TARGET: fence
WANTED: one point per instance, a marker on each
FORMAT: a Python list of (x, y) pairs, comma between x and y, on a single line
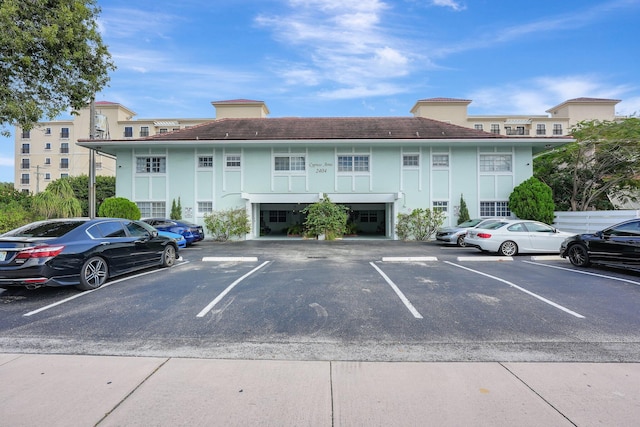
[(591, 221)]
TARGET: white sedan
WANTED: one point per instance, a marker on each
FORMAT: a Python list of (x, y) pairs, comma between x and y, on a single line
[(510, 237)]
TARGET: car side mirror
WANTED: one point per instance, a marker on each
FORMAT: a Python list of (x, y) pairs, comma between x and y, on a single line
[(154, 234)]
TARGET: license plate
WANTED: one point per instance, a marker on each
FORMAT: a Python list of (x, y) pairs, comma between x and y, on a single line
[(3, 255)]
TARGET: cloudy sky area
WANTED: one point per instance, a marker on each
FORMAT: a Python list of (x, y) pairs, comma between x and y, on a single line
[(320, 58)]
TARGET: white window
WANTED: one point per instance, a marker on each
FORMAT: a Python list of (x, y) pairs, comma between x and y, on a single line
[(47, 131), (440, 160), (151, 165), (205, 207), (495, 128), (47, 176), (557, 129), (289, 163), (47, 146), (540, 129), (478, 126), (47, 161), (233, 161), (152, 209), (495, 162), (441, 206), (205, 161), (411, 160), (497, 208), (144, 130), (128, 131), (354, 163)]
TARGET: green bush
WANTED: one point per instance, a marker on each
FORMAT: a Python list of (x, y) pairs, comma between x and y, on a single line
[(419, 225), (119, 207), (326, 218), (533, 200), (58, 201), (227, 223), (13, 215), (176, 209), (463, 213)]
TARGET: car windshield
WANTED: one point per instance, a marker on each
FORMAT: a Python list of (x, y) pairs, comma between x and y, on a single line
[(45, 229), (470, 223)]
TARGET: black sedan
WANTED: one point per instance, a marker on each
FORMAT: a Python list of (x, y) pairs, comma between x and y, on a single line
[(616, 246), (81, 252), (191, 232)]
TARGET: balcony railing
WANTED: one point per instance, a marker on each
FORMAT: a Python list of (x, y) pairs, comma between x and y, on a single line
[(521, 132)]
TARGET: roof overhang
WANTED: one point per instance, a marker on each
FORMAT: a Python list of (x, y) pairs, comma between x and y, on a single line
[(537, 144)]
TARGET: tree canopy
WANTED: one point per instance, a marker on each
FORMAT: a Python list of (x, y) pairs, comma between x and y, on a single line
[(52, 57), (604, 161)]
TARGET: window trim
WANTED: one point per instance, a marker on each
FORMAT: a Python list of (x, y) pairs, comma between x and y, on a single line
[(482, 166), (231, 158), (353, 161), (149, 167), (290, 156), (205, 164)]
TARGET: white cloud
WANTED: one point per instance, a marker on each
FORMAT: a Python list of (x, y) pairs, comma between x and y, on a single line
[(455, 5), (6, 161), (341, 42), (536, 95)]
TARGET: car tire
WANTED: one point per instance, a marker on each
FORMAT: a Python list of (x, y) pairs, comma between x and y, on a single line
[(168, 256), (508, 248), (461, 241), (578, 255), (94, 273)]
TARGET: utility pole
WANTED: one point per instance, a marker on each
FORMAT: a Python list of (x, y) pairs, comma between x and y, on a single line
[(92, 160)]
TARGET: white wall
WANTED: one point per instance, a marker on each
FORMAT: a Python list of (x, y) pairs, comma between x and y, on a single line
[(591, 221)]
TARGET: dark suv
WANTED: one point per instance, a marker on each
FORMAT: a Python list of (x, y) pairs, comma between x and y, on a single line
[(616, 246)]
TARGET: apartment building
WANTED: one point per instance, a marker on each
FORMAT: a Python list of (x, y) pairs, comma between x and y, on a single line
[(49, 150), (558, 122)]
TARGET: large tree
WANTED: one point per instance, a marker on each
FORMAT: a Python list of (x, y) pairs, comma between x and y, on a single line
[(52, 58), (604, 161)]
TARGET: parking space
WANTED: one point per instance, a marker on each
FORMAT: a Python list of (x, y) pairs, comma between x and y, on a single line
[(353, 295)]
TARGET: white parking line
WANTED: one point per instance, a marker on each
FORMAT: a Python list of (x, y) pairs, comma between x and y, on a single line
[(588, 273), (484, 258), (409, 258), (230, 259), (513, 285), (398, 292), (46, 307), (212, 304)]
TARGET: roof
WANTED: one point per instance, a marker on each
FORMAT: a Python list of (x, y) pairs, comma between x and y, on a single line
[(445, 100), (584, 100), (343, 128)]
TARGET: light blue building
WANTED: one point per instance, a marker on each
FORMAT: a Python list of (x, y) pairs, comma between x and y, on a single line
[(274, 167)]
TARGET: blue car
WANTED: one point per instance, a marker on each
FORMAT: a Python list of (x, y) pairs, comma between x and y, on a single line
[(179, 238), (191, 232)]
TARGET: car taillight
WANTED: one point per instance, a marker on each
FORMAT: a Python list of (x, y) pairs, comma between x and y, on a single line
[(40, 252), (484, 235)]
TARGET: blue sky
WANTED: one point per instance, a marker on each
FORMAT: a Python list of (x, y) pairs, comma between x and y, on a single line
[(321, 58)]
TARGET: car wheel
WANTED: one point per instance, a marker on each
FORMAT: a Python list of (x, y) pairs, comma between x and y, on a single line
[(168, 256), (94, 273), (461, 242), (508, 248), (578, 255)]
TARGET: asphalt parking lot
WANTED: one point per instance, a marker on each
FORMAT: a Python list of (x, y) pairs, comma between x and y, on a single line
[(365, 300)]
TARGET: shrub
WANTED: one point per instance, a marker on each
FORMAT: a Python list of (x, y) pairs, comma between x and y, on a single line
[(326, 218), (419, 225), (58, 201), (227, 223), (463, 213), (533, 200), (176, 209), (119, 207), (13, 215)]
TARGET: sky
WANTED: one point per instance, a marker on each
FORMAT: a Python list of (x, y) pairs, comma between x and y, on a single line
[(365, 58)]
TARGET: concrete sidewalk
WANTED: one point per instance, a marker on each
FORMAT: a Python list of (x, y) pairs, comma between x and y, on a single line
[(60, 390)]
